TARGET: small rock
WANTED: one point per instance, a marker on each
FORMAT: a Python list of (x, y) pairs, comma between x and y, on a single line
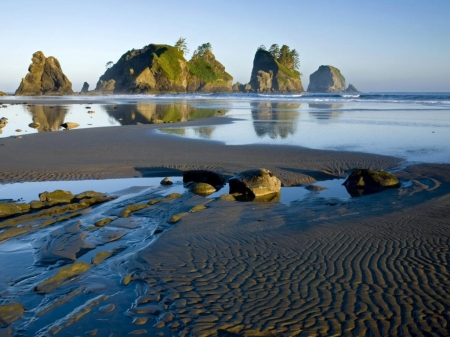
[(18, 130), (34, 125), (70, 125), (166, 181), (202, 188)]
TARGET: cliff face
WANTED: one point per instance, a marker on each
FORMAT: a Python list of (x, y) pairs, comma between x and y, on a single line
[(150, 69), (206, 74), (268, 75), (163, 68), (326, 79), (45, 77)]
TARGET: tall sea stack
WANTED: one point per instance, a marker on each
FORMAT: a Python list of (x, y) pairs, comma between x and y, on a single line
[(326, 79), (45, 77)]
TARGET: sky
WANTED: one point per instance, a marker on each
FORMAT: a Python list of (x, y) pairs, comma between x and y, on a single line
[(383, 45)]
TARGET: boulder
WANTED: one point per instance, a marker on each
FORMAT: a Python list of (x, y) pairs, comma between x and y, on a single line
[(206, 74), (166, 181), (351, 88), (269, 75), (70, 125), (85, 87), (45, 77), (255, 183), (204, 176), (202, 188), (57, 196), (365, 181), (326, 79)]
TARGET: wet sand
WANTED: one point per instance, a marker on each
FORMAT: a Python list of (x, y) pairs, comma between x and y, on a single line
[(375, 265)]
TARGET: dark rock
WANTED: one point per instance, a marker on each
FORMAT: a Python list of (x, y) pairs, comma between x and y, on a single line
[(238, 87), (326, 79), (85, 87), (268, 75), (204, 176), (365, 181), (202, 188), (45, 77), (166, 181), (351, 88), (255, 183)]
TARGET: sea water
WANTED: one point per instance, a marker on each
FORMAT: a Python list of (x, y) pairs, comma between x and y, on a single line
[(412, 126)]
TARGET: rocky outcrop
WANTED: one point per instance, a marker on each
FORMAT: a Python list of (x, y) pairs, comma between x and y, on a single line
[(163, 68), (45, 77), (238, 87), (326, 79), (3, 93), (365, 181), (85, 87), (255, 183), (269, 75), (154, 68), (351, 88), (206, 74)]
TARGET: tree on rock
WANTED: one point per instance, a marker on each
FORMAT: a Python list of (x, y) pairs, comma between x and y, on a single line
[(201, 50), (284, 55), (182, 45), (109, 64)]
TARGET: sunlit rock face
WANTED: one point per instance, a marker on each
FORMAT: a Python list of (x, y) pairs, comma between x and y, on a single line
[(268, 75), (326, 79), (45, 77)]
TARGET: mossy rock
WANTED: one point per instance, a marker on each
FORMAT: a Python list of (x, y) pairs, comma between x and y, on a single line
[(10, 312), (58, 196), (64, 275), (171, 196), (197, 208), (90, 194), (202, 188), (131, 208), (12, 208), (100, 257), (366, 181), (103, 222), (177, 217)]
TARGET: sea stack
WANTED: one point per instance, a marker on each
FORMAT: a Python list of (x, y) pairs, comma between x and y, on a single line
[(45, 77), (326, 79), (163, 68), (269, 75), (206, 74), (351, 88), (85, 87)]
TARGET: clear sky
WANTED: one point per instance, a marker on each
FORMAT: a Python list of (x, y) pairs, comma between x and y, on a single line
[(382, 45)]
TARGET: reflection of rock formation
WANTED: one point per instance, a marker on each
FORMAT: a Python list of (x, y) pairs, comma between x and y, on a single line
[(147, 113), (204, 131), (325, 111), (48, 118), (274, 119)]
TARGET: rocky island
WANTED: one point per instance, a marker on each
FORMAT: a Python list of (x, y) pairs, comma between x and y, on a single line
[(326, 79), (274, 70), (163, 68), (45, 77)]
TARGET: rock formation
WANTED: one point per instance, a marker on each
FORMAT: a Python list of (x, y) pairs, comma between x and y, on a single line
[(163, 68), (255, 183), (206, 74), (150, 69), (3, 93), (269, 75), (45, 77), (85, 87), (351, 88), (365, 181), (326, 79)]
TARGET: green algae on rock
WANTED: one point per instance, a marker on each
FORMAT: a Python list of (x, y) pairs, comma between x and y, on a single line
[(12, 208), (10, 312), (57, 196), (63, 276)]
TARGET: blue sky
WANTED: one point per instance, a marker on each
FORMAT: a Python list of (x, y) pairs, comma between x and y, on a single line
[(395, 45)]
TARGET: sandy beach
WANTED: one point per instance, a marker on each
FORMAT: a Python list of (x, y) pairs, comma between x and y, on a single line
[(370, 266)]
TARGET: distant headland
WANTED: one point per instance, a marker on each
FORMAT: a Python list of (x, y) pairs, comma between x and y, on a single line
[(160, 68)]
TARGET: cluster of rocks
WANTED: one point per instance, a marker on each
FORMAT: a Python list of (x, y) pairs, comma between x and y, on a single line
[(163, 68)]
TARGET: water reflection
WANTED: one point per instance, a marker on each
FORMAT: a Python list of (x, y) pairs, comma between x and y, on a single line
[(325, 111), (47, 118), (147, 113), (204, 131), (274, 119)]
